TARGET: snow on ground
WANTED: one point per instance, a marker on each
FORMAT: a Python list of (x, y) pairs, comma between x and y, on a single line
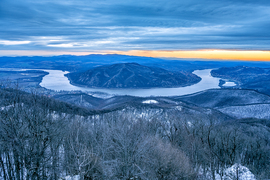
[(100, 95), (237, 170), (77, 177), (260, 111), (150, 102), (229, 84), (8, 107)]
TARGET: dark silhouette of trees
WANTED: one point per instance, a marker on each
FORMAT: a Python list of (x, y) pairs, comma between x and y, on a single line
[(41, 138)]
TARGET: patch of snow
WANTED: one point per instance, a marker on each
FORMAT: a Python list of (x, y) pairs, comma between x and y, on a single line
[(237, 170), (77, 177), (260, 111), (100, 95), (179, 108), (150, 102), (8, 107), (229, 84), (208, 111)]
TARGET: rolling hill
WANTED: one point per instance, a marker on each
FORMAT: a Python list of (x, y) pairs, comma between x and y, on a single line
[(131, 75)]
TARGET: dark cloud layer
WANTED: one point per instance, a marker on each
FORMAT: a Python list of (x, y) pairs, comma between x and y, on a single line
[(128, 24)]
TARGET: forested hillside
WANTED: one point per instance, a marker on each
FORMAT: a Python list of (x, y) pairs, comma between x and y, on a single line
[(43, 138), (132, 75), (246, 77)]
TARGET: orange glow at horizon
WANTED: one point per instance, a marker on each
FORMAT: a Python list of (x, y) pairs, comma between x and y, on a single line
[(248, 55)]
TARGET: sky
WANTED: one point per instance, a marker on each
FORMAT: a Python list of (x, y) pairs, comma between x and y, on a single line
[(169, 28)]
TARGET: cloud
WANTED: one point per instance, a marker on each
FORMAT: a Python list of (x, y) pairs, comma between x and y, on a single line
[(129, 24), (8, 43)]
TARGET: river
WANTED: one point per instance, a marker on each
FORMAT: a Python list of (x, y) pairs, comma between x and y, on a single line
[(56, 80)]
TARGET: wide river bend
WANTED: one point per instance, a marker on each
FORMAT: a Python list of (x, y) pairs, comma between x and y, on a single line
[(56, 80)]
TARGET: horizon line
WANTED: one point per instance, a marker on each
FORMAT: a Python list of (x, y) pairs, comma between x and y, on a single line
[(214, 54)]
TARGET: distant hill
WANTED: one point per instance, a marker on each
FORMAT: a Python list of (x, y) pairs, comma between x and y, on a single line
[(160, 108), (9, 97), (242, 74), (219, 98), (237, 103), (246, 77), (131, 75)]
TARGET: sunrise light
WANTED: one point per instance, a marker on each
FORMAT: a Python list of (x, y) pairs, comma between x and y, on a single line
[(248, 55)]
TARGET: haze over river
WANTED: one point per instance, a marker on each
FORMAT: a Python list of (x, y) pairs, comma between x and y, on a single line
[(56, 80)]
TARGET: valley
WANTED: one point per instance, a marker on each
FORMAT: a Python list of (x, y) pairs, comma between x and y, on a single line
[(239, 91), (193, 131), (134, 90)]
